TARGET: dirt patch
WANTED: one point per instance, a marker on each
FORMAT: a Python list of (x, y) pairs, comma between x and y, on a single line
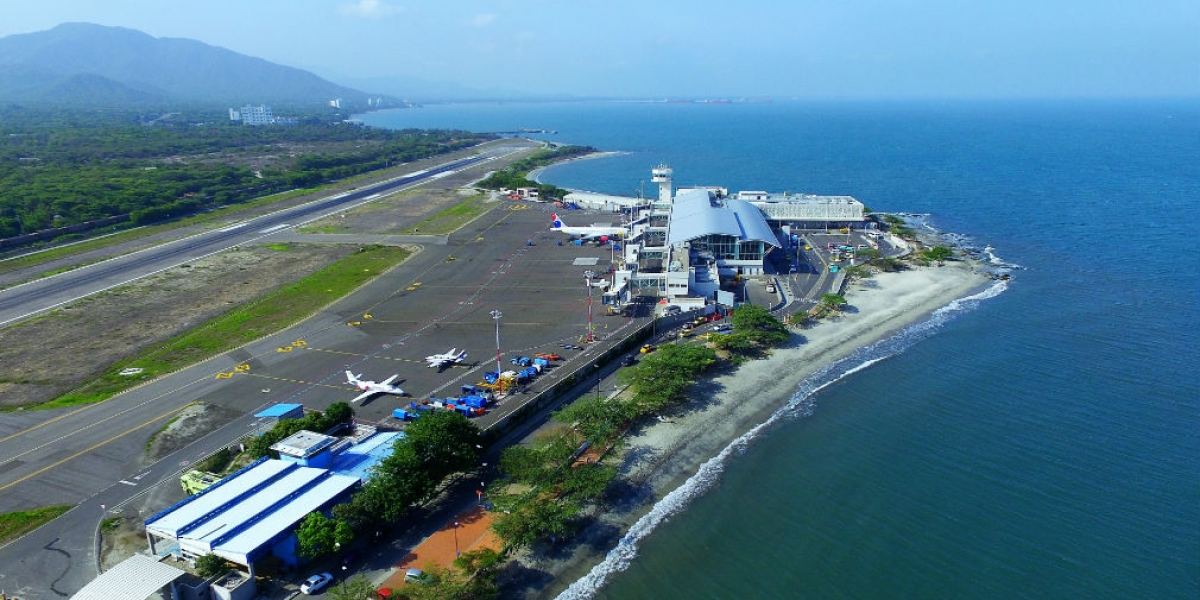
[(194, 422), (55, 353)]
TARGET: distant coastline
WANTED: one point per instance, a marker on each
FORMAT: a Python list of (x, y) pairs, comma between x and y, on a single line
[(536, 174)]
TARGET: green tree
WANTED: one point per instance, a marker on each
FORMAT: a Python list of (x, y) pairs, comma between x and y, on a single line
[(587, 481), (210, 565), (538, 518), (541, 465), (856, 272), (445, 441), (319, 535), (758, 327), (663, 378), (833, 301), (936, 254), (435, 446), (476, 562), (869, 254), (597, 419)]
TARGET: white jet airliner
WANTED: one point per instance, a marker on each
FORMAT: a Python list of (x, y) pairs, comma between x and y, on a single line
[(370, 388), (452, 357), (585, 233)]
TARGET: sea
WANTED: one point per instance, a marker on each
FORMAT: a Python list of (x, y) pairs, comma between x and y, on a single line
[(1040, 439)]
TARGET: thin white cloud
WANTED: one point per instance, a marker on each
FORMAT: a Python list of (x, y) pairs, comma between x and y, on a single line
[(370, 9), (483, 20)]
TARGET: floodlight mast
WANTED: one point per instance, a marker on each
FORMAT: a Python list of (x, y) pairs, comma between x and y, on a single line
[(591, 331), (500, 382)]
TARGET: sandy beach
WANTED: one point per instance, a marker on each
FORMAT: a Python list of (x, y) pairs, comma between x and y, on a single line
[(660, 456)]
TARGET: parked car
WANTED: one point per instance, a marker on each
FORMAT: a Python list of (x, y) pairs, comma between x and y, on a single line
[(673, 309), (315, 583), (628, 361), (415, 576)]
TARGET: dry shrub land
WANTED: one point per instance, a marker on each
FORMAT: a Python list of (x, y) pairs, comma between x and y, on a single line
[(55, 353)]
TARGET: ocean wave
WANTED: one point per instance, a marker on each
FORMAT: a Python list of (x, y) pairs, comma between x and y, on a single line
[(801, 404)]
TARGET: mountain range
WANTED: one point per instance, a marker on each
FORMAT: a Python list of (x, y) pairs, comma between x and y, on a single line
[(86, 64)]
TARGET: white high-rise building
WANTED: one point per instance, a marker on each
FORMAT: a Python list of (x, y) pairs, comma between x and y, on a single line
[(257, 115)]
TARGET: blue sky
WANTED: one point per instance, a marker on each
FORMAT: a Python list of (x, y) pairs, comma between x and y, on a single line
[(700, 48)]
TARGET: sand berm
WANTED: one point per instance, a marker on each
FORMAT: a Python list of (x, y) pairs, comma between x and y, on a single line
[(657, 458)]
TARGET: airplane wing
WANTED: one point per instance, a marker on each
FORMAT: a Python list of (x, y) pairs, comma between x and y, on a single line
[(389, 379), (363, 395)]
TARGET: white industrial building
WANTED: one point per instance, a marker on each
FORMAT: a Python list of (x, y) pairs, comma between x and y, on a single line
[(252, 514), (253, 115)]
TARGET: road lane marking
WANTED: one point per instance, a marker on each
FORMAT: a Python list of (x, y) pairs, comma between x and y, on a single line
[(92, 448)]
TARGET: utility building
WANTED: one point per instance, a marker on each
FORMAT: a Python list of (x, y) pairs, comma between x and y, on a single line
[(252, 514)]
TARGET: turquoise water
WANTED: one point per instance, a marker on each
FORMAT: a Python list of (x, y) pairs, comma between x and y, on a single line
[(1039, 443)]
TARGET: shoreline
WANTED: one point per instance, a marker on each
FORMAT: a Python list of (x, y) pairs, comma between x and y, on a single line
[(536, 174), (660, 457)]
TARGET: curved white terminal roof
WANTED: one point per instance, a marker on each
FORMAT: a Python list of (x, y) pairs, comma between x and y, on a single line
[(694, 215)]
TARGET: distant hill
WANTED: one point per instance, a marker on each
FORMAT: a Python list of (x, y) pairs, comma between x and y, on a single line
[(81, 63)]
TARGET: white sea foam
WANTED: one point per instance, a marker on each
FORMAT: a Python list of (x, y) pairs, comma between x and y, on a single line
[(801, 404)]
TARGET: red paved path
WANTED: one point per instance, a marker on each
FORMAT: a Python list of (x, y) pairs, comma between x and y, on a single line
[(473, 532)]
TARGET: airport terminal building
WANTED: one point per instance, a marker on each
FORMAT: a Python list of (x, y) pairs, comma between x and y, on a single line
[(681, 245)]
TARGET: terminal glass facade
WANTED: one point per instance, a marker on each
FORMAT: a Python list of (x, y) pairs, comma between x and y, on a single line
[(727, 247)]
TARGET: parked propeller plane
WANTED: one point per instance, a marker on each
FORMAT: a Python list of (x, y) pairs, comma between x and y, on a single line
[(370, 388), (446, 359)]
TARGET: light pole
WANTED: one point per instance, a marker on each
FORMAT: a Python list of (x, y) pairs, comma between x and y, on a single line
[(496, 317), (591, 337), (596, 366), (456, 552)]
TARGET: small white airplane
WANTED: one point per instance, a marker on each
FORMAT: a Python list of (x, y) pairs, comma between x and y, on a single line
[(453, 357), (585, 233), (370, 388)]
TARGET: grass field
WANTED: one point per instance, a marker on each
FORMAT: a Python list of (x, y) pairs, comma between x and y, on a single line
[(16, 524), (269, 314)]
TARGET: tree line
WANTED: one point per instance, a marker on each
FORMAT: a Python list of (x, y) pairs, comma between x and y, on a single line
[(61, 169), (516, 175)]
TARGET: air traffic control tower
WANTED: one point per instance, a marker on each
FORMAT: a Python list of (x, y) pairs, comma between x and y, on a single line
[(662, 176)]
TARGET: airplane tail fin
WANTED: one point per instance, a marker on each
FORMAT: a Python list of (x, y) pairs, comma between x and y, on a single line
[(350, 377), (555, 222)]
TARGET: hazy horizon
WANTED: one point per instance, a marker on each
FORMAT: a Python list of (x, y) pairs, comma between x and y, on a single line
[(868, 49)]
